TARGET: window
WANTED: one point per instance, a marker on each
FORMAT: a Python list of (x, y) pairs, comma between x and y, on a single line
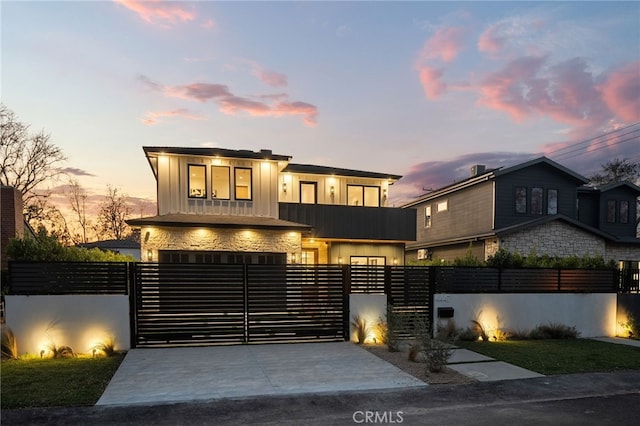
[(359, 195), (243, 183), (552, 201), (624, 211), (427, 217), (197, 181), (355, 197), (220, 187), (308, 192), (442, 206), (611, 211), (372, 196), (536, 200), (521, 199)]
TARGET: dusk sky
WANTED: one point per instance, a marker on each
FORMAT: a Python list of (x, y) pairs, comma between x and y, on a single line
[(419, 89)]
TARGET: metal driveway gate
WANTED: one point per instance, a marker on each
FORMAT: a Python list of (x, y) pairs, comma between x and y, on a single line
[(207, 304)]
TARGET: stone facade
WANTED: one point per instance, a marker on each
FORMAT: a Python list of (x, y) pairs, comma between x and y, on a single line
[(554, 239), (622, 252), (208, 239)]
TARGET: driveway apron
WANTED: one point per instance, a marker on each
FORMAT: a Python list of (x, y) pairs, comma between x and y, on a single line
[(155, 376)]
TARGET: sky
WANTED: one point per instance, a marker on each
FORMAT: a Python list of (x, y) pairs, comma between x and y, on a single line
[(419, 89)]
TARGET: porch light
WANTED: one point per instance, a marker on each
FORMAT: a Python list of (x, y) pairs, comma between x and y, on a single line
[(149, 255), (284, 187), (293, 258), (340, 260), (395, 260), (332, 190)]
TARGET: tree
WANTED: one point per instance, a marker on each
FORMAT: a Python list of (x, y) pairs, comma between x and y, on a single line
[(616, 170), (113, 213), (78, 199), (26, 162)]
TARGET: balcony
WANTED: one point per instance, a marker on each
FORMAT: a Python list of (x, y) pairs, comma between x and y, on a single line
[(350, 222)]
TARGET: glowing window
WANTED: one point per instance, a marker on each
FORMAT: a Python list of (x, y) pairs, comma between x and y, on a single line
[(197, 181), (220, 187), (243, 183)]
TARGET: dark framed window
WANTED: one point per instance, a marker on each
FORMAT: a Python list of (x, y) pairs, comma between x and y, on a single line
[(611, 211), (360, 195), (537, 197), (521, 200), (197, 181), (243, 183), (220, 182), (552, 201), (308, 192), (624, 211)]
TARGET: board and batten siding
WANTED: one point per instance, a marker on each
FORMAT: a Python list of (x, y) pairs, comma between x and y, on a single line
[(173, 182), (469, 211), (539, 176), (323, 187)]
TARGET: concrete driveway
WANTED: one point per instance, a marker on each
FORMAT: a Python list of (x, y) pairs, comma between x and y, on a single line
[(158, 376)]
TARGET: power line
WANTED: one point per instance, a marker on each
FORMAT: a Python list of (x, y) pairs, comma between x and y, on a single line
[(586, 141), (604, 144)]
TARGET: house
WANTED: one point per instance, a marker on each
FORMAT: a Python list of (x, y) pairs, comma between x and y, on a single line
[(537, 206), (236, 206), (13, 223)]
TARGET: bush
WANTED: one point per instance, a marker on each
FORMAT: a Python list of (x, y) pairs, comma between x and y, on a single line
[(393, 328), (469, 335), (9, 344), (361, 327), (554, 331), (45, 248)]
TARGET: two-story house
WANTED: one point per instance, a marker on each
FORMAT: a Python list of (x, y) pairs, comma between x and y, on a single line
[(236, 206), (537, 206)]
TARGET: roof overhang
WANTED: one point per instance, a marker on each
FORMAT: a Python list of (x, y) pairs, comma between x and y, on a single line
[(219, 221)]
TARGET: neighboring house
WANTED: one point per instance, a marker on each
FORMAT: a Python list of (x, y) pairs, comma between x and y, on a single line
[(537, 206), (124, 247), (235, 206)]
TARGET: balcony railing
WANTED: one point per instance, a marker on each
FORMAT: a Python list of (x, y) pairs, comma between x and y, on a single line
[(352, 222)]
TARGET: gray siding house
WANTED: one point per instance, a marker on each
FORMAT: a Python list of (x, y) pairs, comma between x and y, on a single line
[(537, 206)]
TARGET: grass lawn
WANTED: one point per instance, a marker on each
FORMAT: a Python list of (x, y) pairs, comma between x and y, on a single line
[(56, 382), (562, 356)]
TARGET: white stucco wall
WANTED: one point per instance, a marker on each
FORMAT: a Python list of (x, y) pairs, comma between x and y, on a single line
[(371, 307), (592, 314), (78, 321)]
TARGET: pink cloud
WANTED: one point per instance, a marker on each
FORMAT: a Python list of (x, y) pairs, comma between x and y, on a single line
[(491, 41), (566, 92), (445, 44), (271, 78), (431, 80), (621, 92), (153, 117), (198, 91), (159, 12), (270, 105)]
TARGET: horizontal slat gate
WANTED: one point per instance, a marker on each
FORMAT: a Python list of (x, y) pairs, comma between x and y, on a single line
[(294, 303), (203, 304), (189, 304), (410, 294)]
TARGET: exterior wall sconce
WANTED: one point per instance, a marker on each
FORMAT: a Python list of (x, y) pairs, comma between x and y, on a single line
[(293, 258), (149, 255), (395, 260), (340, 260), (384, 194), (284, 187), (332, 190)]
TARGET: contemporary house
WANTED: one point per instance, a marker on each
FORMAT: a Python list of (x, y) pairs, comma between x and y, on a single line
[(236, 206), (538, 205)]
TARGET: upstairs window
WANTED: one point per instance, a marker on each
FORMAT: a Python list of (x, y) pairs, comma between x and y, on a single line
[(536, 200), (360, 195), (521, 200), (552, 201), (427, 217), (442, 206), (308, 191), (624, 211), (243, 183), (197, 181), (611, 211), (220, 182)]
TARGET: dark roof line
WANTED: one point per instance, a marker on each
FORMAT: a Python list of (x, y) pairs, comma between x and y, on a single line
[(263, 154), (323, 170)]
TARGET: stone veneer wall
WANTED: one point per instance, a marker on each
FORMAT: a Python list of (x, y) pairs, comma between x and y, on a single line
[(219, 239), (554, 239), (622, 252)]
